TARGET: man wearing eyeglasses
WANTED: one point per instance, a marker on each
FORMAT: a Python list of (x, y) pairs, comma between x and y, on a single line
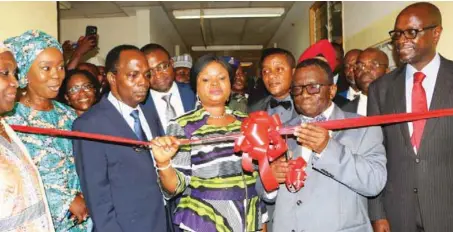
[(371, 64), (418, 195), (343, 167), (171, 98)]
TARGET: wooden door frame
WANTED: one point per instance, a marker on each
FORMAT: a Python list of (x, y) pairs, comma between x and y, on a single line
[(316, 5)]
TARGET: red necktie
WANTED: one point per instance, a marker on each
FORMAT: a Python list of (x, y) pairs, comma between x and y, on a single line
[(419, 104)]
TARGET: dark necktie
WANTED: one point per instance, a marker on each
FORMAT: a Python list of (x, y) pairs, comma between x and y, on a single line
[(419, 104), (138, 126), (285, 104)]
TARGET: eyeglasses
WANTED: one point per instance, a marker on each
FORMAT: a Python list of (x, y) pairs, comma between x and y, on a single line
[(409, 33), (163, 67), (311, 89), (371, 65), (76, 89)]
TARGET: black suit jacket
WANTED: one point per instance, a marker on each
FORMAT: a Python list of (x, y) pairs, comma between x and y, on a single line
[(119, 184), (419, 188), (351, 106)]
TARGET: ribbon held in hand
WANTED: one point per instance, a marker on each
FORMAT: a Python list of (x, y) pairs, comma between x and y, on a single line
[(261, 141), (295, 178)]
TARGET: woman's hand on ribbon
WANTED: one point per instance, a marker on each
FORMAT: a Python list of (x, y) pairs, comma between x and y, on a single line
[(164, 148), (312, 136)]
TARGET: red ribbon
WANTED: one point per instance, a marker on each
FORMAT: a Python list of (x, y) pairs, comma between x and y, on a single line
[(260, 138), (261, 141)]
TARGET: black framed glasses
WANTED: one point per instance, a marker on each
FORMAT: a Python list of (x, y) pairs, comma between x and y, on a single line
[(311, 89), (371, 65), (162, 67), (408, 33), (76, 89)]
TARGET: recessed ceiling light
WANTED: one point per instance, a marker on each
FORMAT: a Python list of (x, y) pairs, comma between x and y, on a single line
[(226, 48), (229, 13)]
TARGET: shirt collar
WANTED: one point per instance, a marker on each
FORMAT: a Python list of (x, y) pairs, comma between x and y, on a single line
[(352, 91), (172, 90), (432, 67), (327, 113), (122, 107)]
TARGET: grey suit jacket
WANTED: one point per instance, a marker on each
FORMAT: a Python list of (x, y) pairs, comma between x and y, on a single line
[(350, 168), (419, 189)]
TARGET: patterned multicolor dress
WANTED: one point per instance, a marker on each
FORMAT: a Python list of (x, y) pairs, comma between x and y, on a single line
[(23, 204), (53, 157), (211, 179)]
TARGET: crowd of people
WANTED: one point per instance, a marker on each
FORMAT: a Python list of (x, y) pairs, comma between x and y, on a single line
[(394, 177)]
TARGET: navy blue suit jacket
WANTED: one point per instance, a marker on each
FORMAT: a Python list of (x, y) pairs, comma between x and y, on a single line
[(188, 100), (119, 184)]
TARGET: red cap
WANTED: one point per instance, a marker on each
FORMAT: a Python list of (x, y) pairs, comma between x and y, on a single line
[(322, 48)]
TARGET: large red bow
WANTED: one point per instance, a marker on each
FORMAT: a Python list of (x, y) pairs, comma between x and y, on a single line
[(295, 178), (261, 141)]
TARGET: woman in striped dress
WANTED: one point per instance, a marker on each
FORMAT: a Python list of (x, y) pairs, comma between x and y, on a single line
[(214, 192)]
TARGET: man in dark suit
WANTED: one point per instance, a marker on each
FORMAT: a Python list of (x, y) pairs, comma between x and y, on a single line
[(119, 182), (371, 65), (418, 195), (171, 98)]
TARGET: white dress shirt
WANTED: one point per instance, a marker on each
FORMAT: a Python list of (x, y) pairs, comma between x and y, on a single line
[(161, 105), (352, 94), (126, 111), (361, 106), (430, 70)]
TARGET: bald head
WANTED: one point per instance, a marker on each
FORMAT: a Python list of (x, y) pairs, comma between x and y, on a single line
[(428, 11), (372, 64), (375, 54)]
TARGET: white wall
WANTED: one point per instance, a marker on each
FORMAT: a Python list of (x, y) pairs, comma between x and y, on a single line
[(163, 32), (294, 32), (18, 17), (112, 31), (359, 15), (150, 25)]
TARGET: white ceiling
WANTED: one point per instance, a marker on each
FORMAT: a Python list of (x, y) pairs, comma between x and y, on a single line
[(238, 31)]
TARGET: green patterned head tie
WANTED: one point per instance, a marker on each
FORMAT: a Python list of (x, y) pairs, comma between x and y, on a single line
[(26, 48)]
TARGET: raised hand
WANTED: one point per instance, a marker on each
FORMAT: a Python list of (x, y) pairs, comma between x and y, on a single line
[(86, 44), (313, 137), (164, 148)]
